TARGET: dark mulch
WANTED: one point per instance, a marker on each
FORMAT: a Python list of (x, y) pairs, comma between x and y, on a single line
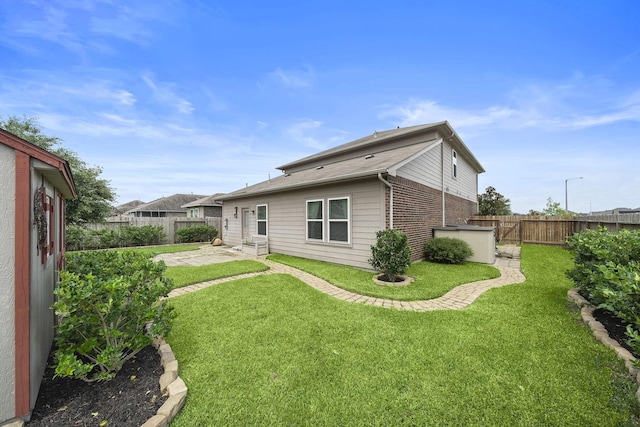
[(130, 399), (615, 326)]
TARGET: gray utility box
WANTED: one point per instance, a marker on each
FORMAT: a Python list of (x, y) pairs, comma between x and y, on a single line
[(481, 239)]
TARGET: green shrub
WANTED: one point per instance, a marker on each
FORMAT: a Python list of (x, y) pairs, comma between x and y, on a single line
[(391, 255), (109, 307), (79, 238), (447, 250), (595, 248), (141, 236), (75, 237), (196, 233), (607, 272)]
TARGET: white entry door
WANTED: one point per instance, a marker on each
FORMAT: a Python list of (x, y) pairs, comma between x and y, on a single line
[(246, 224)]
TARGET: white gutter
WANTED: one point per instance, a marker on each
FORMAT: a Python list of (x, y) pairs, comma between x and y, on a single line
[(388, 184)]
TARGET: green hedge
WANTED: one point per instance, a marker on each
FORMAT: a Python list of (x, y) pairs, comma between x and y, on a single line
[(607, 272), (80, 238), (196, 233)]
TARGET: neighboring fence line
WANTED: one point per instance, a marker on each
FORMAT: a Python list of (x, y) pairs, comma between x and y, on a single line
[(170, 224), (550, 230)]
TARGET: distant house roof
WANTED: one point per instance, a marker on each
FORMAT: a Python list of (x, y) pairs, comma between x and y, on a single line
[(382, 152), (120, 209), (167, 204), (205, 201)]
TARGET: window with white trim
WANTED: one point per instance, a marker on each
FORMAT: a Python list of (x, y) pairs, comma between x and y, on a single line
[(315, 220), (339, 220), (454, 163), (261, 219)]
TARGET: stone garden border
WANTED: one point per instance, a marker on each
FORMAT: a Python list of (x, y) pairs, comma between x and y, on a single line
[(171, 384), (407, 280), (601, 334)]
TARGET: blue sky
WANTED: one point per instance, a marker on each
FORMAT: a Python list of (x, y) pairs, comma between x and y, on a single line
[(205, 97)]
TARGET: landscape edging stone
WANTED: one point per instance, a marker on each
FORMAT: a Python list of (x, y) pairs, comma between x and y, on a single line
[(601, 334), (176, 388)]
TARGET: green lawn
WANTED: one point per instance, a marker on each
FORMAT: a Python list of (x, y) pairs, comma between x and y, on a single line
[(432, 280), (152, 251), (188, 275), (271, 350)]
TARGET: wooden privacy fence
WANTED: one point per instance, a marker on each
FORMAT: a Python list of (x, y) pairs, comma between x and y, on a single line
[(170, 224), (550, 230)]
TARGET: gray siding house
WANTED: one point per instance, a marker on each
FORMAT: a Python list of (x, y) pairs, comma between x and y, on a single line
[(328, 206), (163, 207), (204, 207)]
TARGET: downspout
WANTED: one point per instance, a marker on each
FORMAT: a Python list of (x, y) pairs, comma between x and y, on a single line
[(388, 184), (442, 177), (442, 181)]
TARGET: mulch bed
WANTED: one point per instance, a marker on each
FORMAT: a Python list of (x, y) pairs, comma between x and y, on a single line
[(616, 328), (130, 399)]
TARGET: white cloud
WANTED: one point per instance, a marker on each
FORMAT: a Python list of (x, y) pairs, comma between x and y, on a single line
[(164, 93), (52, 26), (85, 26), (291, 78), (576, 104), (313, 134)]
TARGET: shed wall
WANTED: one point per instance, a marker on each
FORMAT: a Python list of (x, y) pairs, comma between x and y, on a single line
[(7, 283), (481, 241), (43, 279)]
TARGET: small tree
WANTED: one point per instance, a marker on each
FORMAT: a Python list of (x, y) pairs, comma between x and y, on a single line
[(391, 255), (493, 203), (553, 209)]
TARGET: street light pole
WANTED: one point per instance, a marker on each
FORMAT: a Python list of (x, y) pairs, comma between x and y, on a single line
[(566, 193)]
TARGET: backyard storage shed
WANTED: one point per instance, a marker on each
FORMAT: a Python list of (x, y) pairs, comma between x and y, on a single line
[(328, 206), (33, 187), (482, 240)]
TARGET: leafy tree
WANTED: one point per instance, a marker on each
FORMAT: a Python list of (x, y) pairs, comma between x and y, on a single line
[(95, 194), (493, 203), (554, 209)]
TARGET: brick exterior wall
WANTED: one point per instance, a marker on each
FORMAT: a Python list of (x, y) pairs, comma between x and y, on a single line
[(418, 208)]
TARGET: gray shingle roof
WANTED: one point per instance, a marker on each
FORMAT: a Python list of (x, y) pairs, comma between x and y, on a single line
[(125, 207), (376, 138), (205, 201), (382, 152), (167, 204)]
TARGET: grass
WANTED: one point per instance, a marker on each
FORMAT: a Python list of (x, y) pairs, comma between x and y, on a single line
[(188, 275), (270, 350), (432, 279), (152, 251)]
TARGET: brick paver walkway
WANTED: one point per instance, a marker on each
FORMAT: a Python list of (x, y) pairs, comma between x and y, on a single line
[(457, 298)]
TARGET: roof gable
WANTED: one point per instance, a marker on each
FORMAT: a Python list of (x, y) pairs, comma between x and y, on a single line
[(382, 152), (55, 168)]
